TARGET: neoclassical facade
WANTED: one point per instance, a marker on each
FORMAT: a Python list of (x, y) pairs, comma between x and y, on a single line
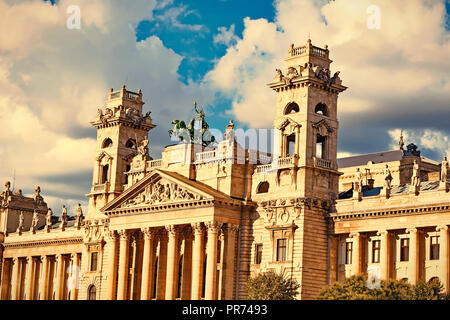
[(196, 223)]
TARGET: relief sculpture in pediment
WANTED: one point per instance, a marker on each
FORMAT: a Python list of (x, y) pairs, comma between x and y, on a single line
[(162, 192)]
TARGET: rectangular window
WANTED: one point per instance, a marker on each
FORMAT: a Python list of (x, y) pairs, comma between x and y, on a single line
[(404, 249), (258, 253), (376, 251), (94, 258), (434, 248), (281, 250), (348, 252)]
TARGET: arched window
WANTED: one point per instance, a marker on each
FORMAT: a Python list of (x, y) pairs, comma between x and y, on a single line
[(92, 293), (105, 173), (107, 143), (321, 109), (291, 108), (131, 143), (263, 187)]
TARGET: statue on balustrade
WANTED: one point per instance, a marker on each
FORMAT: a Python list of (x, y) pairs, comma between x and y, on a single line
[(387, 178), (444, 170)]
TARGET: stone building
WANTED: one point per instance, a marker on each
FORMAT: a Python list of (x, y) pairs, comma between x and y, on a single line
[(198, 222)]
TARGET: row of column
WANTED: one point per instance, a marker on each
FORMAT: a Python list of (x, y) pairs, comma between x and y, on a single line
[(168, 261), (31, 277), (413, 261)]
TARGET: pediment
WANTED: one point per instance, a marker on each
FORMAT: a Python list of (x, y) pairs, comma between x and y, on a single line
[(323, 127), (286, 122), (162, 187), (104, 154)]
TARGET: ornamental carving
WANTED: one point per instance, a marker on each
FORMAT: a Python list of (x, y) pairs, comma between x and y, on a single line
[(162, 192)]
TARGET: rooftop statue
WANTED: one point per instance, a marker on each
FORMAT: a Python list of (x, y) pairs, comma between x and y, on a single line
[(197, 131)]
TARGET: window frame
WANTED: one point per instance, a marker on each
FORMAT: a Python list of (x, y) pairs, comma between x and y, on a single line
[(376, 249), (434, 255)]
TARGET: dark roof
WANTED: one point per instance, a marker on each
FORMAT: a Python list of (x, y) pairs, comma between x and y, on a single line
[(398, 189), (378, 157)]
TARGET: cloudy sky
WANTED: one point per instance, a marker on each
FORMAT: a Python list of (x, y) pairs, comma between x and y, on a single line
[(221, 53)]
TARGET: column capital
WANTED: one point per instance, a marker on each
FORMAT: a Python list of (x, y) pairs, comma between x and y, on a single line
[(124, 235), (213, 226), (354, 234), (111, 235), (442, 228), (172, 230), (149, 233), (198, 227), (231, 228), (383, 233), (73, 256), (43, 258)]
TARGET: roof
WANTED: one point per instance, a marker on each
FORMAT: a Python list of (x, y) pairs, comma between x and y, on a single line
[(378, 157), (397, 189)]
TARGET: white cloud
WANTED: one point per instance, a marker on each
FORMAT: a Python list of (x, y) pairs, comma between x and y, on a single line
[(386, 70), (434, 140), (52, 80), (226, 36)]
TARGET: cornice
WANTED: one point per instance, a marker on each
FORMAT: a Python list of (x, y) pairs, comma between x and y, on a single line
[(356, 215)]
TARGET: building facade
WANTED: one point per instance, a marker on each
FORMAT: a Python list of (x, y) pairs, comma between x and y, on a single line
[(198, 222)]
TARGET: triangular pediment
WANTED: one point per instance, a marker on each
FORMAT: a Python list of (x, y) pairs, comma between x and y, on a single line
[(323, 127), (287, 121), (104, 154), (162, 187)]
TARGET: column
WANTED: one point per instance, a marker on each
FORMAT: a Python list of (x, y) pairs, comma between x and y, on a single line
[(43, 282), (15, 279), (147, 263), (356, 253), (162, 266), (297, 140), (197, 260), (172, 261), (187, 265), (384, 254), (75, 273), (112, 265), (59, 277), (123, 265), (333, 259), (211, 259), (29, 279), (230, 259), (443, 255), (413, 266)]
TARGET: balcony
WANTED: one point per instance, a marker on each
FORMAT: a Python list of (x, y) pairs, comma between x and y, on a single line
[(153, 164), (100, 188), (280, 163), (206, 156), (322, 163)]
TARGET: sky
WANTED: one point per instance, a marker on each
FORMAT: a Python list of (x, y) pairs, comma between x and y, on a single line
[(220, 53)]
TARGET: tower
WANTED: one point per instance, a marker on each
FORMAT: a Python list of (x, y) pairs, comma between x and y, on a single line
[(295, 192), (122, 133), (306, 122)]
